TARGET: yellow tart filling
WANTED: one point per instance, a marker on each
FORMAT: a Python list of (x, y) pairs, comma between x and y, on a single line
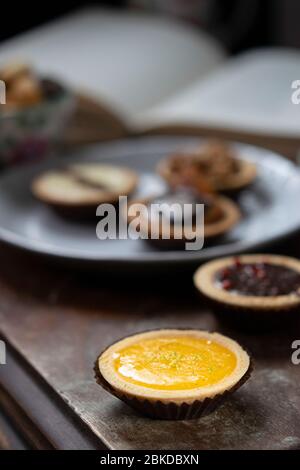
[(174, 363)]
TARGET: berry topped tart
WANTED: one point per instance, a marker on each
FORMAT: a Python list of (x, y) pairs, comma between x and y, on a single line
[(248, 284), (214, 162), (173, 374)]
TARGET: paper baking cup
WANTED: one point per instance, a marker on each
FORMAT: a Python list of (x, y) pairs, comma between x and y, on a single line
[(171, 411)]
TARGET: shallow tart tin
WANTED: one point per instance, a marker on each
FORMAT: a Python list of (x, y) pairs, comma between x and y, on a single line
[(244, 309), (172, 404)]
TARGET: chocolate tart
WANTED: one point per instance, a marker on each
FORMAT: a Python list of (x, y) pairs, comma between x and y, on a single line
[(173, 374), (255, 291), (215, 164), (80, 188), (220, 216)]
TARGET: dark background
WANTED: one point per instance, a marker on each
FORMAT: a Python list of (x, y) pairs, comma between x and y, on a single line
[(238, 24)]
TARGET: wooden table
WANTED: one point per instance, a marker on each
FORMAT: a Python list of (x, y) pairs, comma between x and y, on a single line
[(10, 438), (56, 320)]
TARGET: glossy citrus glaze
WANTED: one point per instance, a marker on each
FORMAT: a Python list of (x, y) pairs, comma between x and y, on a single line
[(174, 363)]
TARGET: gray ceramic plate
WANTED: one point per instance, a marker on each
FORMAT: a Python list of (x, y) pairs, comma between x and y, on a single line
[(270, 208)]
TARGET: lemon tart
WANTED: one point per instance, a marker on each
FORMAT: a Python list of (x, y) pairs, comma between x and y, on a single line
[(80, 188), (173, 374), (244, 286)]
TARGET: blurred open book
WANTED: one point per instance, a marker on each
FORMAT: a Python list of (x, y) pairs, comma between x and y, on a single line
[(139, 74)]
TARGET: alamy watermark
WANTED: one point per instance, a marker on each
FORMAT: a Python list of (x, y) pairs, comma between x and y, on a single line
[(2, 92), (2, 353), (157, 220), (295, 96), (295, 358)]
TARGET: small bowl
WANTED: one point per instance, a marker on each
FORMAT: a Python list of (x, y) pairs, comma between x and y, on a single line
[(28, 134)]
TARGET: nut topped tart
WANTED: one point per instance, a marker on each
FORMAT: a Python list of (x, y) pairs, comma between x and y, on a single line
[(80, 188), (215, 163), (173, 374), (252, 283)]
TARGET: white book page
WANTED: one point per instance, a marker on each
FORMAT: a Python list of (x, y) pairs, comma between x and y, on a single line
[(251, 93), (130, 61)]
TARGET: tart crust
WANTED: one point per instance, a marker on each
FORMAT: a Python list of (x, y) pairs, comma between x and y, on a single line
[(233, 183), (172, 404), (85, 190), (204, 280), (231, 215)]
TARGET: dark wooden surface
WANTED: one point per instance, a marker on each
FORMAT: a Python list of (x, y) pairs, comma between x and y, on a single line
[(10, 438), (56, 321), (37, 412)]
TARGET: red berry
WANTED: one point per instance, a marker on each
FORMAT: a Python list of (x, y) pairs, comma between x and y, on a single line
[(226, 284), (237, 262), (255, 269)]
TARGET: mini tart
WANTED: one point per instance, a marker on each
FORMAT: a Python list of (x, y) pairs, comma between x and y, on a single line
[(80, 188), (241, 174), (246, 308), (229, 216), (173, 374)]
